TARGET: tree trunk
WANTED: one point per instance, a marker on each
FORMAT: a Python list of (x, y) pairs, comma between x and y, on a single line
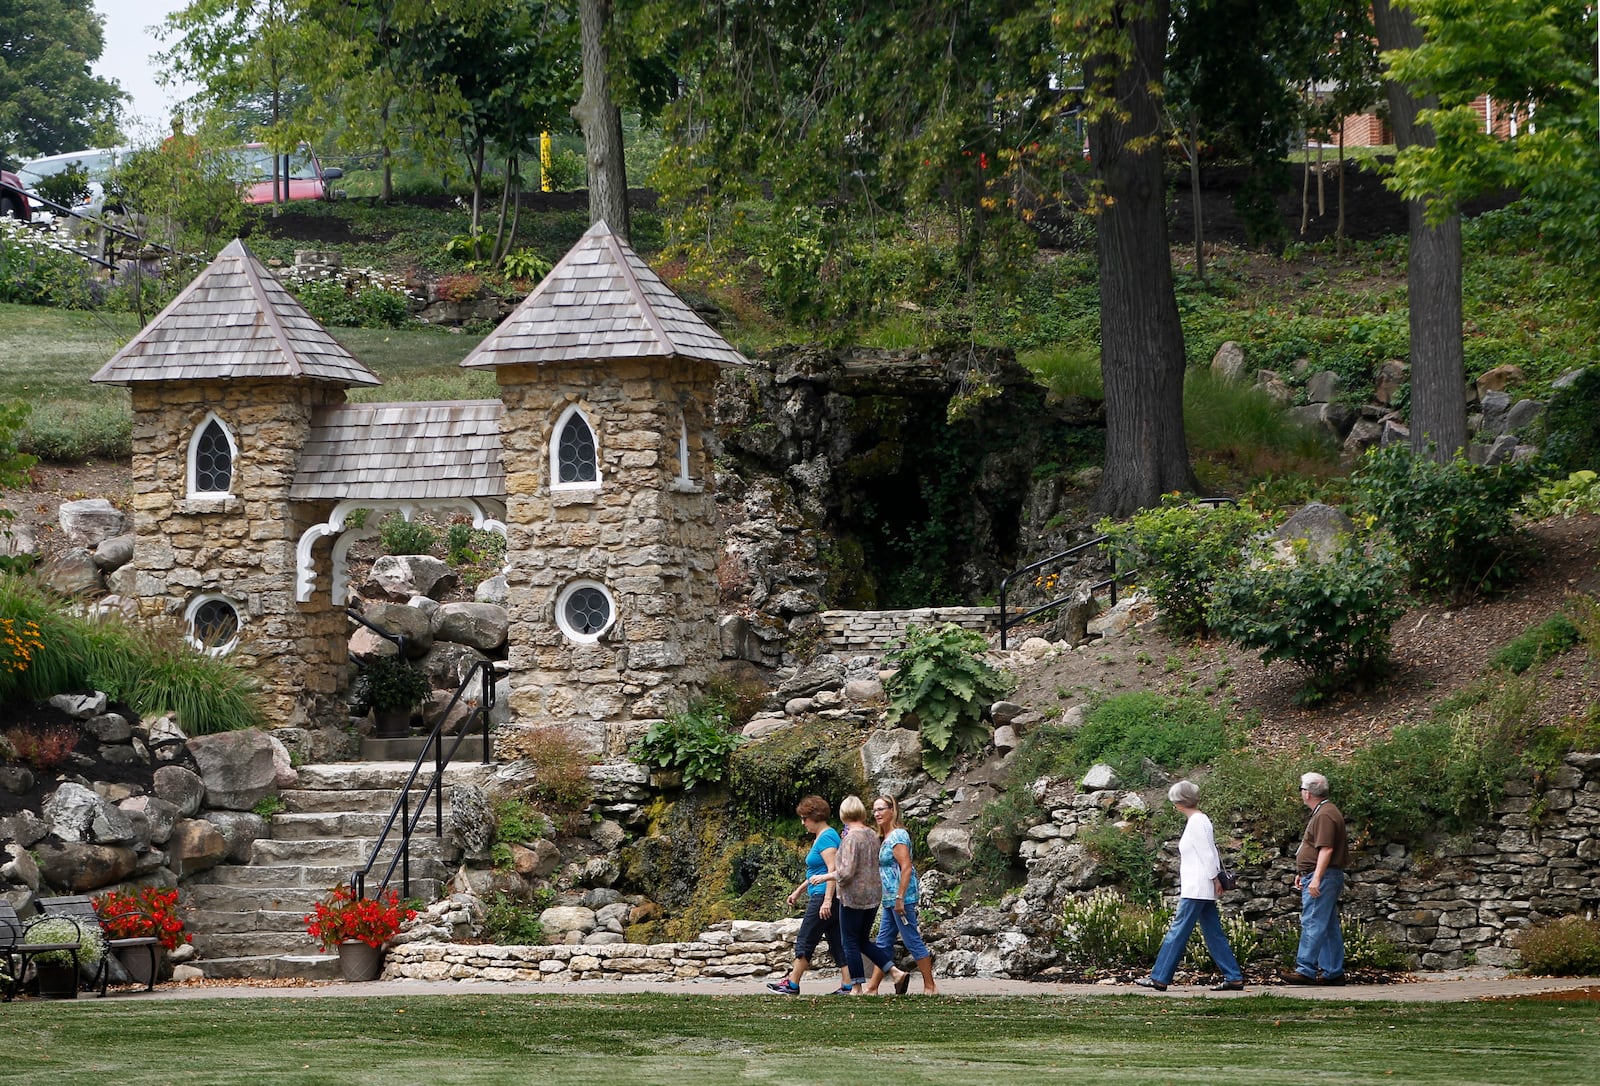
[(1433, 274), (1196, 201), (1141, 339), (601, 122)]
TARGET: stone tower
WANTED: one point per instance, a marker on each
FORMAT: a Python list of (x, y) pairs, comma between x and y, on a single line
[(224, 384), (608, 380)]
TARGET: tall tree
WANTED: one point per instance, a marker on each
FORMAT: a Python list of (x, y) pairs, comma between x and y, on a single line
[(597, 112), (1433, 270), (49, 100)]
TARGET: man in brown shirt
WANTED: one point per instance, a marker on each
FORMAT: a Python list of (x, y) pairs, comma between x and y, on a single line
[(1319, 864)]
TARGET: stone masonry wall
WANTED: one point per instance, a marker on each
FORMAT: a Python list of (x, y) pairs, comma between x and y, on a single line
[(867, 631), (646, 535), (241, 546)]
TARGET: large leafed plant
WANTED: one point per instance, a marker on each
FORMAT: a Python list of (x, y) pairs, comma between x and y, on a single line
[(943, 684)]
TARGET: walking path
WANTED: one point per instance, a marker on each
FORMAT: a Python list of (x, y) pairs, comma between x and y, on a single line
[(1455, 986)]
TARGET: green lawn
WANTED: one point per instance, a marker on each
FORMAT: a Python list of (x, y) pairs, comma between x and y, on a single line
[(674, 1038)]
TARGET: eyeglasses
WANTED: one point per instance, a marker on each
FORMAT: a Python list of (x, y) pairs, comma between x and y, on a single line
[(880, 810)]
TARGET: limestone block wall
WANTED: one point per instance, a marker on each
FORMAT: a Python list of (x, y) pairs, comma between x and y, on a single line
[(644, 533), (241, 546), (873, 631)]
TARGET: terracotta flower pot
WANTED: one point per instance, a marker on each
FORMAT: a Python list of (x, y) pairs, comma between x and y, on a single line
[(358, 961)]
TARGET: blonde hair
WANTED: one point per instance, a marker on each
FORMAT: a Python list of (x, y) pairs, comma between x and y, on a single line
[(853, 810), (894, 809)]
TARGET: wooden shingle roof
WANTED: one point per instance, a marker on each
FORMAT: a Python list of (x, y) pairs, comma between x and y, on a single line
[(235, 320), (449, 449), (601, 301)]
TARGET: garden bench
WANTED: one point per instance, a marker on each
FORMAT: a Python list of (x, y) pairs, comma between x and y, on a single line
[(16, 953), (81, 909)]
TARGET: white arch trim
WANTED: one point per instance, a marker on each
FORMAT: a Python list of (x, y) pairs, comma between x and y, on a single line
[(305, 579)]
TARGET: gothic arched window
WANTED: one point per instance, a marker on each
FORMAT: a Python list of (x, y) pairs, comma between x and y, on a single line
[(574, 453), (211, 459)]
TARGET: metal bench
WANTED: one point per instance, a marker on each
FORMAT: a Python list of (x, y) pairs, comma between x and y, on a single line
[(81, 909), (16, 953)]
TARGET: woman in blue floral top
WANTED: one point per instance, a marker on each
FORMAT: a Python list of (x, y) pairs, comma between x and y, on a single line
[(901, 890)]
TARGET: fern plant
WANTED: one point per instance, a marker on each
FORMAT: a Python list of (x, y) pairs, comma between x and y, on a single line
[(942, 682)]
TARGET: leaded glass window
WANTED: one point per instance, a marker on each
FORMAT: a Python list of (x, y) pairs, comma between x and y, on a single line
[(576, 460), (213, 460)]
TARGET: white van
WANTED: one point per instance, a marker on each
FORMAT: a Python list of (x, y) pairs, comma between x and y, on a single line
[(99, 163)]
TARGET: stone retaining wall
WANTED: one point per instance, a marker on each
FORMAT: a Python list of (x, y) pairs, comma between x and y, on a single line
[(733, 949), (868, 631)]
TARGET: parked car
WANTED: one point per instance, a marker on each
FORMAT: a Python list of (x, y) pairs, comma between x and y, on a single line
[(13, 199), (308, 179), (98, 163)]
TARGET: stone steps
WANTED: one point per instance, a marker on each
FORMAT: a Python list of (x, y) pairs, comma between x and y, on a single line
[(248, 919)]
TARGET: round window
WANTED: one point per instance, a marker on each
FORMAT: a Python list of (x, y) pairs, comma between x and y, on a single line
[(585, 611), (213, 623)]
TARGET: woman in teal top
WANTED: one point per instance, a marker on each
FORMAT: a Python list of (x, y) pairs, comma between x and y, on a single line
[(822, 919), (901, 890)]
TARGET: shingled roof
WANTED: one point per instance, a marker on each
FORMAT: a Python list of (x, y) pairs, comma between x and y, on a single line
[(235, 320), (411, 451), (602, 301)]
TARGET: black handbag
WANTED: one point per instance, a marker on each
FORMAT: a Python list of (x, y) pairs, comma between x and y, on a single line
[(1227, 879)]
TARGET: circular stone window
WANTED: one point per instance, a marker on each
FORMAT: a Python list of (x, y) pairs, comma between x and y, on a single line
[(213, 623), (585, 610)]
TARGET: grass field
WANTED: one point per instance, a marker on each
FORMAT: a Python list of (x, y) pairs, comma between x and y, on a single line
[(699, 1039)]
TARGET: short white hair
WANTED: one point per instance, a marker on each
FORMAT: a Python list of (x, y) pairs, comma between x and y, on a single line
[(1185, 793), (1315, 783)]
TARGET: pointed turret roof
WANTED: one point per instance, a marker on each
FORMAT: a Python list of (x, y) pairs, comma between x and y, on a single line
[(601, 301), (235, 320)]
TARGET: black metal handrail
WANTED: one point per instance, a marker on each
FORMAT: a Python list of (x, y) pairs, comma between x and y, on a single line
[(401, 814), (1007, 622)]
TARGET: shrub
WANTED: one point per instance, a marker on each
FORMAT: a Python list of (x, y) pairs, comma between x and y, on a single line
[(1577, 493), (1536, 644), (401, 536), (1126, 730), (1106, 932), (561, 766), (1330, 618), (37, 269), (338, 304), (1450, 523), (46, 748), (469, 546), (696, 743), (1567, 947), (389, 682), (1572, 425), (509, 921), (153, 669), (78, 430), (1180, 550), (1126, 858), (942, 681)]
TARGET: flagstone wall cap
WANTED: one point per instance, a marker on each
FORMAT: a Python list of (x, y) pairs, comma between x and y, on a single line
[(600, 302), (449, 449), (234, 321)]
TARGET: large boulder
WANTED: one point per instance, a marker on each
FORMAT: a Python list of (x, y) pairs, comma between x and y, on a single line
[(238, 768), (114, 553), (240, 830), (403, 620), (195, 845), (482, 626), (950, 846), (73, 573), (76, 813), (181, 787), (91, 521), (401, 576), (1229, 362), (471, 821), (891, 752), (447, 664), (158, 814), (1321, 528), (81, 867)]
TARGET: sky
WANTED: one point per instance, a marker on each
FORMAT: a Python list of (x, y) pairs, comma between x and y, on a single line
[(128, 59)]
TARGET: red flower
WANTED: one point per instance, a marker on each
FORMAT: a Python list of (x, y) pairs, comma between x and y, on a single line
[(343, 916), (147, 912)]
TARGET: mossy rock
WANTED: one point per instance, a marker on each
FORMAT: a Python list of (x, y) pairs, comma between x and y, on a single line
[(817, 757)]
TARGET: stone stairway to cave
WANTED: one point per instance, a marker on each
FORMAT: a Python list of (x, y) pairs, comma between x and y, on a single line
[(248, 919)]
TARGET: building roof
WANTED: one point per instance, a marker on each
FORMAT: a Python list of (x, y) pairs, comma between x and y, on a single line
[(233, 321), (601, 301), (406, 451)]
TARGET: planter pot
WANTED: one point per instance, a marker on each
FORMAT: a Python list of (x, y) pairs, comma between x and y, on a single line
[(391, 723), (358, 961), (57, 981), (136, 961)]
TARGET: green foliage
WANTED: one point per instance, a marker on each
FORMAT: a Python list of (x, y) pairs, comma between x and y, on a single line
[(334, 304), (401, 536), (516, 822), (67, 186), (815, 757), (1180, 551), (525, 264), (1572, 425), (560, 763), (1369, 951), (36, 270), (56, 663), (1106, 932), (1262, 788), (696, 743), (1451, 524), (269, 806), (153, 669), (1329, 617), (510, 921), (1536, 644), (1127, 858), (50, 99), (1579, 492), (469, 546), (1125, 730), (1245, 940), (942, 682), (390, 682), (1566, 947), (64, 929), (75, 430)]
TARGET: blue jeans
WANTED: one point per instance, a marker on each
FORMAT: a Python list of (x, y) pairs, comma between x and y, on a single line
[(855, 927), (1321, 939), (892, 924), (1194, 911)]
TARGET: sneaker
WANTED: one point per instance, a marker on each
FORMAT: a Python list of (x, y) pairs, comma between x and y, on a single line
[(1151, 982), (1229, 986), (843, 989), (783, 987), (1297, 977)]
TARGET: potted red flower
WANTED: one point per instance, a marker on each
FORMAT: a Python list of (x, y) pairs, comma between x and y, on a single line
[(359, 927), (139, 914)]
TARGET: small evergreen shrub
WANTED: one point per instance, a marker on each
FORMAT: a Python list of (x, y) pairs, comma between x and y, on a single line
[(1536, 644), (1180, 550), (1567, 947), (696, 743), (401, 536), (942, 682), (1451, 524), (1126, 858), (1330, 618)]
